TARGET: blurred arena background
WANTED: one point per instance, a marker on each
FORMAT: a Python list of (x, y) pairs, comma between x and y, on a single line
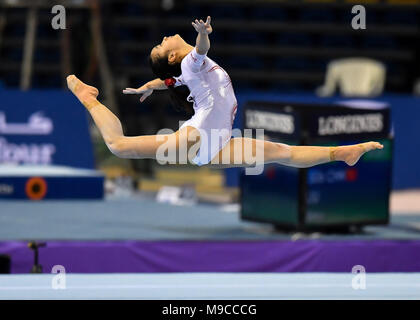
[(77, 205)]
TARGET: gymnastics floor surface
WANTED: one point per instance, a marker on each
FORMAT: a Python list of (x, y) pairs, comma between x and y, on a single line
[(220, 286)]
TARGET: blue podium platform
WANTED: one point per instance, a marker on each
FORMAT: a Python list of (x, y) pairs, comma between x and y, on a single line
[(34, 182)]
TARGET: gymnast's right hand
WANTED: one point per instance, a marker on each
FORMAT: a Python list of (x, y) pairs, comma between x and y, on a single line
[(145, 90)]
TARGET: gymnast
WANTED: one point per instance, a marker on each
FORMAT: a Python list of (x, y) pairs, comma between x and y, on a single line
[(198, 83)]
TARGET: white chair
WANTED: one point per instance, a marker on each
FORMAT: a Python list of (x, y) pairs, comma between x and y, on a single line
[(416, 88), (361, 77)]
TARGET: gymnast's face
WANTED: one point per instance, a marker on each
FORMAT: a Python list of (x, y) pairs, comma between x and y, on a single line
[(171, 47)]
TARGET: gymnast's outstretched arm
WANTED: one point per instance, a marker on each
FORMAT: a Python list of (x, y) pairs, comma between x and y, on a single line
[(147, 89), (202, 43)]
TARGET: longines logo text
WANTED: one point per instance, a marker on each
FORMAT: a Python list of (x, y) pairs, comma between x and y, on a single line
[(350, 124), (270, 121)]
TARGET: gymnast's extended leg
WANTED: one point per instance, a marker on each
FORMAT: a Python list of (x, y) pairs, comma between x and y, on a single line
[(139, 147), (248, 152)]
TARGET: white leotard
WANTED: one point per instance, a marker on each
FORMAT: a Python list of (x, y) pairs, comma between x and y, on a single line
[(214, 103)]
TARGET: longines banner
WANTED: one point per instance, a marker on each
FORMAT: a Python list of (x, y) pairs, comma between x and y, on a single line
[(44, 127), (326, 121), (278, 120), (333, 194)]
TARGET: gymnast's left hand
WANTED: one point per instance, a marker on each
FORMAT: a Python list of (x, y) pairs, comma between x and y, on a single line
[(203, 27), (144, 90)]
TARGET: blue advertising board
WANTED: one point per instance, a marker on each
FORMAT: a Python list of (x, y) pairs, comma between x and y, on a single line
[(331, 195), (44, 127), (405, 110)]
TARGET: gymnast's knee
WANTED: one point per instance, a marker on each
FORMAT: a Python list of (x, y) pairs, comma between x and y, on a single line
[(118, 148), (282, 153)]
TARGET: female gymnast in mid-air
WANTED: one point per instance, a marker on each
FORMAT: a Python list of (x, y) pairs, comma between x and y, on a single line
[(180, 67)]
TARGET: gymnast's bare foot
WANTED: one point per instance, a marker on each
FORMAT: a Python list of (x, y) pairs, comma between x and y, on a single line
[(86, 94), (351, 154)]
